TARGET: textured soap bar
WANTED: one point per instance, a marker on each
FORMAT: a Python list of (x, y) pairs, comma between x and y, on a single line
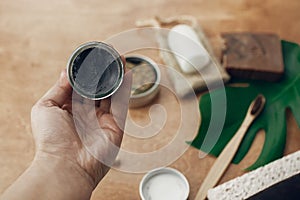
[(253, 56)]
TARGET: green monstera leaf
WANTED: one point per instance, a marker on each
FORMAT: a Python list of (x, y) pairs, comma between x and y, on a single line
[(280, 96)]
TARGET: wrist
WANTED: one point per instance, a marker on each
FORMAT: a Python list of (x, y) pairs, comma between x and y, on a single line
[(63, 175)]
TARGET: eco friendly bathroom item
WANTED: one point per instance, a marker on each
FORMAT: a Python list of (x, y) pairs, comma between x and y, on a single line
[(224, 159), (145, 80), (95, 70)]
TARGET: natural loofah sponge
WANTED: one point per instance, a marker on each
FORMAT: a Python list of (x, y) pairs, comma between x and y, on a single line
[(258, 180)]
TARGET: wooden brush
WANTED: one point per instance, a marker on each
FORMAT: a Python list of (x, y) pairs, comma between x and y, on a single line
[(230, 149)]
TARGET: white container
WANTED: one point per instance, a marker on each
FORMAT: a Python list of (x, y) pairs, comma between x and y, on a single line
[(164, 184), (187, 49)]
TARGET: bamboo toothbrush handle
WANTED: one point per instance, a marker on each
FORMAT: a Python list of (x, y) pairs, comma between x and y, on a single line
[(224, 159)]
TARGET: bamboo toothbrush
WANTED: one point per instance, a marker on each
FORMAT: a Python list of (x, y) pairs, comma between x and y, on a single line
[(230, 149)]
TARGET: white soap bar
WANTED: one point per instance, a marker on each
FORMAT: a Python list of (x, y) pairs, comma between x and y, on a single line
[(187, 48)]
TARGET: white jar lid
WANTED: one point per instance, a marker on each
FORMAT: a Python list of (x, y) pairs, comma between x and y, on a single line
[(164, 184)]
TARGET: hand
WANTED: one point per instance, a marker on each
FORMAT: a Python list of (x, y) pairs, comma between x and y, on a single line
[(79, 131)]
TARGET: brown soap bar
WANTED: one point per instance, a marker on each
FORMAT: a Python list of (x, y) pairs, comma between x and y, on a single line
[(253, 56)]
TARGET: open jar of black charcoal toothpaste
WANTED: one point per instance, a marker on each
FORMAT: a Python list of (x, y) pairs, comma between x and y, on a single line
[(95, 70)]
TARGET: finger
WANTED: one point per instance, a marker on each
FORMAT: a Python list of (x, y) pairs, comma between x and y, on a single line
[(124, 63), (97, 103), (123, 60), (70, 102), (105, 105), (87, 101), (67, 107), (120, 101), (59, 93), (89, 107), (76, 97)]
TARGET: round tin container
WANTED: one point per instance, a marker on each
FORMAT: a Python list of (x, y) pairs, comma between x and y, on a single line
[(164, 183), (145, 80), (95, 70)]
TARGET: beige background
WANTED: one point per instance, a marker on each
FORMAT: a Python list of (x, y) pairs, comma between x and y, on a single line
[(37, 37)]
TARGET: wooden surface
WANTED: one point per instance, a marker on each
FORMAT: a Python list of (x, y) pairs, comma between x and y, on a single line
[(37, 37)]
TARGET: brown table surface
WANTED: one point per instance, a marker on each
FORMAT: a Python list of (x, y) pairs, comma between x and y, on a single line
[(37, 37)]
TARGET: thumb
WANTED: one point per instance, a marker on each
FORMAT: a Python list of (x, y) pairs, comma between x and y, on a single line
[(59, 93)]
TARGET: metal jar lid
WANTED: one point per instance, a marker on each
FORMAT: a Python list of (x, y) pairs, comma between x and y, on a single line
[(95, 70)]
